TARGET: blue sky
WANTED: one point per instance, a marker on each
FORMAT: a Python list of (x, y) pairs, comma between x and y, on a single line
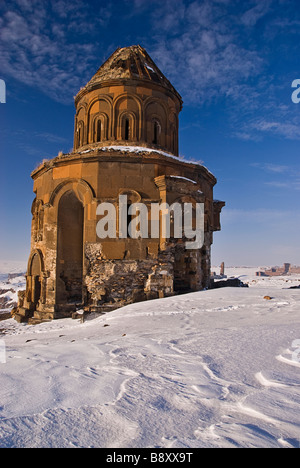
[(232, 61)]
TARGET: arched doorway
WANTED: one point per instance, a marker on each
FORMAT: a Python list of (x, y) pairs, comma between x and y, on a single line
[(33, 288), (69, 265)]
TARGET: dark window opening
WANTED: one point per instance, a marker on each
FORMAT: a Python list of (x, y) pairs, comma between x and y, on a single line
[(126, 129), (155, 133), (174, 141), (98, 132)]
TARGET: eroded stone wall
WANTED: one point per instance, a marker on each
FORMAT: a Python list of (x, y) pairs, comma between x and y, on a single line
[(113, 283)]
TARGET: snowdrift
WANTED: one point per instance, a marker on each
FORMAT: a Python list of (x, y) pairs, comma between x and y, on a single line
[(217, 368)]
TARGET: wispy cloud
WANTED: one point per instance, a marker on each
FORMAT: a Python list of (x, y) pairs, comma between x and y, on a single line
[(267, 218), (211, 50), (258, 11), (222, 51), (41, 45), (287, 177), (45, 136), (289, 130), (204, 54), (270, 116), (50, 137), (287, 185), (273, 168)]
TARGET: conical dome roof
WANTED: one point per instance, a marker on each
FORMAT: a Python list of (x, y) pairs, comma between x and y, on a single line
[(130, 63), (128, 101)]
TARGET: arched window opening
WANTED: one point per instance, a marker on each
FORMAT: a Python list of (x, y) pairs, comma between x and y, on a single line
[(156, 132), (98, 130), (174, 141), (80, 128), (127, 129)]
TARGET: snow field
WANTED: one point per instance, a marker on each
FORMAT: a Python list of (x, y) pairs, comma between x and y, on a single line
[(214, 369)]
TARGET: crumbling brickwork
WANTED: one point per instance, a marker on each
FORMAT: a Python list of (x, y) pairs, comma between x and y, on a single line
[(110, 283)]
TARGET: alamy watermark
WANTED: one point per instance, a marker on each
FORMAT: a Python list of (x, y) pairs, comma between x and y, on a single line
[(296, 353), (160, 221), (2, 352), (2, 92), (296, 93)]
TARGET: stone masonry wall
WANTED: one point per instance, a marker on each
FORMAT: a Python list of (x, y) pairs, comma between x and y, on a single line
[(114, 283)]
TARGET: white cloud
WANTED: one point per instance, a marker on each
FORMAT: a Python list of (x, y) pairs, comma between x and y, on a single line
[(254, 14), (36, 50), (288, 177), (213, 52), (204, 56), (289, 130), (208, 49), (50, 137), (287, 185), (274, 168)]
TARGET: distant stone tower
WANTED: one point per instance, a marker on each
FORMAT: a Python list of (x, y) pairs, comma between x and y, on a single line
[(125, 143)]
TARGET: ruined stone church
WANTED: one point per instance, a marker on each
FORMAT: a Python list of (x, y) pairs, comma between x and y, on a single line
[(125, 143)]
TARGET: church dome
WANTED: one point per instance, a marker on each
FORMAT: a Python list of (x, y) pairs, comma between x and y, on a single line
[(128, 102), (130, 63)]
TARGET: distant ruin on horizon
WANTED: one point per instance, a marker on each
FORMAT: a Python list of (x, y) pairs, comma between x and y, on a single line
[(286, 269)]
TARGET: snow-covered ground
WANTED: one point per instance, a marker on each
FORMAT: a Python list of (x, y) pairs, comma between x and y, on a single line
[(217, 368), (12, 280)]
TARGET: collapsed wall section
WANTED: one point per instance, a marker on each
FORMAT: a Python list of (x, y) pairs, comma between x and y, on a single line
[(111, 283)]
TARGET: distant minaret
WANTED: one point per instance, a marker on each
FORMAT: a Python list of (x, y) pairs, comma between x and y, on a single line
[(222, 269)]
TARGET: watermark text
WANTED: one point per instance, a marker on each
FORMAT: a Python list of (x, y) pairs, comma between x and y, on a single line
[(138, 221), (2, 352), (296, 93), (296, 353), (2, 92)]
